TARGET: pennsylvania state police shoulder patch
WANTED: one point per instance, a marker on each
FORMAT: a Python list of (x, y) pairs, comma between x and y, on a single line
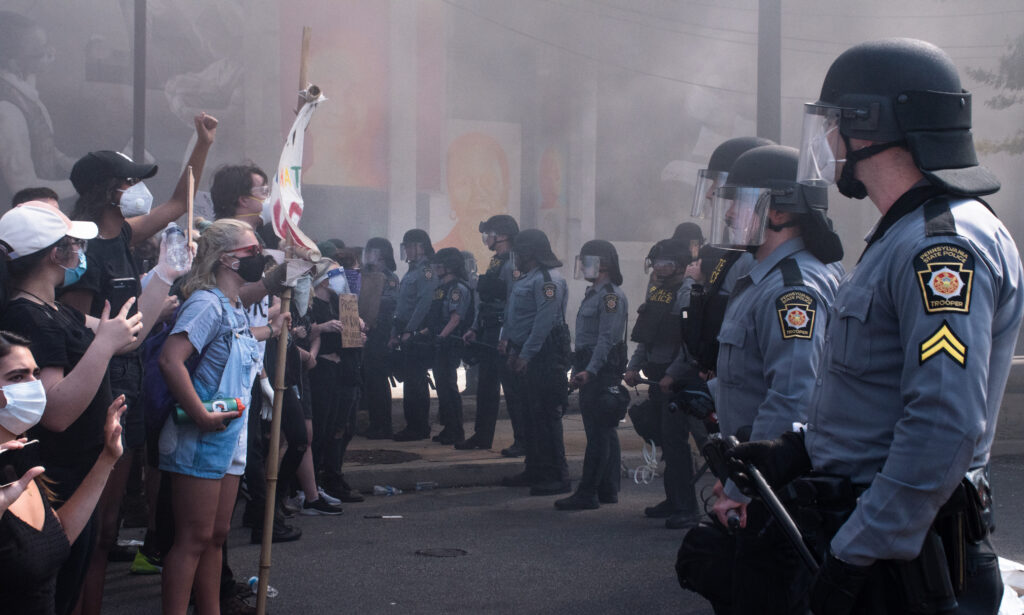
[(796, 314), (549, 290), (455, 295), (611, 303), (945, 272), (428, 273)]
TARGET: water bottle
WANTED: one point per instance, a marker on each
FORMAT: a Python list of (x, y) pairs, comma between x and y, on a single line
[(254, 586), (386, 490), (216, 405), (426, 485), (177, 251)]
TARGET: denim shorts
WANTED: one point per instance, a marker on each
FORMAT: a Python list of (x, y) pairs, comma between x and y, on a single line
[(185, 449)]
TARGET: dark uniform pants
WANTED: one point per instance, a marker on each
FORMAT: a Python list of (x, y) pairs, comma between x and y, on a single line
[(545, 391), (416, 395), (494, 376), (449, 400), (676, 428), (602, 459)]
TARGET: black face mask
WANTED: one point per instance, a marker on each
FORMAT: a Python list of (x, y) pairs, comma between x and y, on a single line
[(250, 268)]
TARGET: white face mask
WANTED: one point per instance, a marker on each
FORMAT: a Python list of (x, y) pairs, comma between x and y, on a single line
[(25, 404), (136, 201)]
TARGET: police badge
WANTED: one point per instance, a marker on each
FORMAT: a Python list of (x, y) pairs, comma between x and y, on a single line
[(945, 272), (549, 290), (796, 314), (611, 303)]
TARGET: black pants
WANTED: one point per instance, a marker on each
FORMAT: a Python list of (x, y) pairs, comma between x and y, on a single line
[(494, 376), (754, 570), (676, 428), (416, 395), (545, 391), (602, 458), (449, 400), (293, 428), (377, 389)]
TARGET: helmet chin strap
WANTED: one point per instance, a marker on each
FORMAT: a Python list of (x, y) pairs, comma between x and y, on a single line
[(849, 186), (779, 227)]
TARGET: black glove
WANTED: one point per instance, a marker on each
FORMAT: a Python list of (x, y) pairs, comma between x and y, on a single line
[(780, 460), (837, 586)]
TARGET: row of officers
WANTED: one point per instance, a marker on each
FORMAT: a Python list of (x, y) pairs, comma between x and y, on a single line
[(868, 399)]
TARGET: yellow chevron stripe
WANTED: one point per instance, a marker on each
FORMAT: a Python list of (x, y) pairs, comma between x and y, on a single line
[(944, 340)]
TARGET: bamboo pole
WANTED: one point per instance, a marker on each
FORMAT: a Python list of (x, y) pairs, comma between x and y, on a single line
[(190, 200)]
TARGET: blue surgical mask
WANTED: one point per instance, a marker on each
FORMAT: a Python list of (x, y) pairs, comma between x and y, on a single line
[(73, 275), (137, 200)]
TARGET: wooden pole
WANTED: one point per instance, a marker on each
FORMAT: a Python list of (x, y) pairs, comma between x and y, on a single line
[(275, 424), (190, 199), (272, 460)]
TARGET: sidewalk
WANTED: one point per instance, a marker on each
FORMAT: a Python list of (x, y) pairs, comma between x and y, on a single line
[(449, 467)]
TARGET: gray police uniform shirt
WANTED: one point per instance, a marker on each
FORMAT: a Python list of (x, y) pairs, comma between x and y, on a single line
[(458, 301), (415, 292), (601, 323), (770, 344), (661, 353), (534, 307), (916, 357)]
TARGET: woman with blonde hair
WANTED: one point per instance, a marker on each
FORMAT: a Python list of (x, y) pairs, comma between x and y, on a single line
[(205, 455)]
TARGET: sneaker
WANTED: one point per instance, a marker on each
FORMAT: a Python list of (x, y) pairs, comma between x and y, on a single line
[(333, 501), (320, 506), (144, 564), (293, 504)]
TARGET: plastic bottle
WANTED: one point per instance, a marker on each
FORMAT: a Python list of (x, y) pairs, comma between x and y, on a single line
[(386, 490), (177, 251), (426, 485), (254, 586), (216, 405)]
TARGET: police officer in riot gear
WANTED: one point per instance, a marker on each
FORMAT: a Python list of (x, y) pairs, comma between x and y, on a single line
[(450, 313), (415, 293), (598, 364), (769, 345), (379, 257), (493, 288), (717, 171), (536, 340), (919, 344), (663, 359)]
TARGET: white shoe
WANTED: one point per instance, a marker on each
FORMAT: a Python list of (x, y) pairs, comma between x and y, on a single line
[(330, 500)]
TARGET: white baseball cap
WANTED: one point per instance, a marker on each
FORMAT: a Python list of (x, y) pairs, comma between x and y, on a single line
[(36, 225)]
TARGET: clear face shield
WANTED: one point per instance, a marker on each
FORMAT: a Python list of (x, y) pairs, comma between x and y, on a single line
[(471, 270), (587, 267), (372, 258), (410, 252), (739, 217), (704, 193), (819, 144)]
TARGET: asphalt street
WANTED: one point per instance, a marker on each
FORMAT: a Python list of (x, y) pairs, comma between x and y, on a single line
[(520, 556)]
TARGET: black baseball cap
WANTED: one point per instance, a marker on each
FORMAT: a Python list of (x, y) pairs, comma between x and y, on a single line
[(97, 167)]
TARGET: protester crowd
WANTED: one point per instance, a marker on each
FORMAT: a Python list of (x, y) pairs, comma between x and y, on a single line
[(122, 345)]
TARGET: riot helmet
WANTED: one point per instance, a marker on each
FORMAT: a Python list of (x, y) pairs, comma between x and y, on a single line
[(765, 178), (418, 237), (533, 244), (501, 224), (897, 92), (595, 256), (668, 257), (718, 169), (449, 261), (379, 254), (692, 234)]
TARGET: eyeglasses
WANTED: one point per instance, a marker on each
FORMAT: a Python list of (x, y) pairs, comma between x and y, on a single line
[(71, 242), (260, 192), (253, 250)]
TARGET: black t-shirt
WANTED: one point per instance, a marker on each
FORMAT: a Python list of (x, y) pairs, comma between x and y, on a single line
[(60, 339), (111, 273), (321, 311), (29, 562)]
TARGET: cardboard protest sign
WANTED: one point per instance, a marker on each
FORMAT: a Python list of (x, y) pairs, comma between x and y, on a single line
[(348, 314)]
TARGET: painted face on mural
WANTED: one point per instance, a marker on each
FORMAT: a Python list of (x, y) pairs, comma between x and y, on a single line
[(477, 177)]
